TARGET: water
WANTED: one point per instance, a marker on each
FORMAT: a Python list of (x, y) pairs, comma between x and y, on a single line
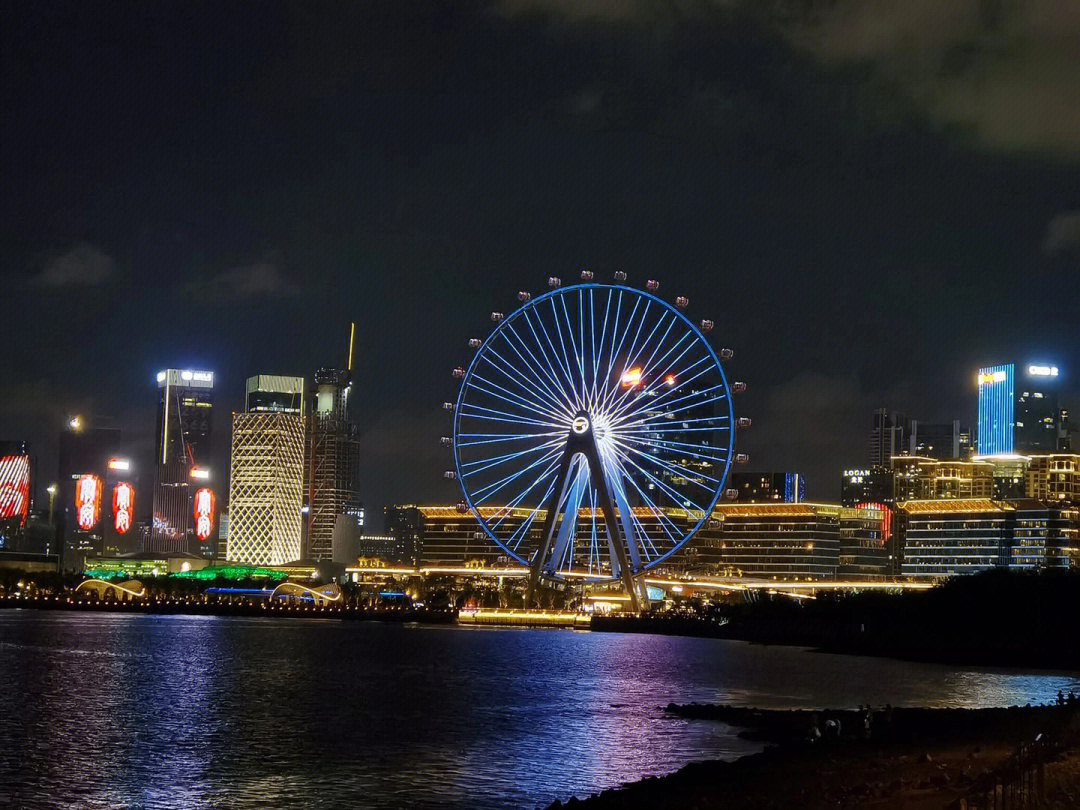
[(140, 711)]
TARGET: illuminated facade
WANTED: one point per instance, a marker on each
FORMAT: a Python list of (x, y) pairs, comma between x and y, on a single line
[(768, 487), (919, 478), (185, 408), (1019, 410), (792, 541), (267, 474), (867, 485), (85, 449), (966, 536), (15, 487), (332, 464), (1054, 478)]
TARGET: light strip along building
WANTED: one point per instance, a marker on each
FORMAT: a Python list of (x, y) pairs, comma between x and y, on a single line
[(267, 473)]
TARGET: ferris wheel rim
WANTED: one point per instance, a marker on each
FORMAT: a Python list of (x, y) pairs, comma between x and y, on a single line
[(533, 302)]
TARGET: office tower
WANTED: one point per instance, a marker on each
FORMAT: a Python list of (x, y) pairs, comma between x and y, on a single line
[(266, 474), (783, 487), (85, 452), (182, 459), (16, 486), (865, 486), (886, 437), (1040, 423), (938, 440), (333, 462), (406, 525), (1019, 412)]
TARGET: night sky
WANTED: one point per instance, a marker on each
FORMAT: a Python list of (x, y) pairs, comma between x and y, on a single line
[(869, 198)]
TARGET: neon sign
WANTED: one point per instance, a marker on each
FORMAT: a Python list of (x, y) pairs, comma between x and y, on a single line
[(15, 488), (123, 506), (87, 501), (204, 513)]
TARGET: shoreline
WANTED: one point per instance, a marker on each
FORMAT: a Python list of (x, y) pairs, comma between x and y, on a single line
[(906, 759)]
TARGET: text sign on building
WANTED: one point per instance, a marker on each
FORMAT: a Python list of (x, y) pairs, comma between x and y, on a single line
[(1043, 371), (204, 513), (87, 501), (123, 507)]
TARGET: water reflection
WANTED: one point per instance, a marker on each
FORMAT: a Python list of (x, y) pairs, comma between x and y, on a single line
[(161, 712)]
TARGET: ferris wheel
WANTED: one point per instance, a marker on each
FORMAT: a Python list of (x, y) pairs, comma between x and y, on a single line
[(593, 431)]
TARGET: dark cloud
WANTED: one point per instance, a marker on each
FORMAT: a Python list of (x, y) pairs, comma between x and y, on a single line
[(1062, 234), (264, 279), (83, 265)]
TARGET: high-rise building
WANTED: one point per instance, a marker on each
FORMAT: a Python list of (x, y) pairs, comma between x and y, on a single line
[(887, 434), (405, 525), (333, 462), (1054, 478), (783, 487), (869, 485), (16, 491), (266, 475), (182, 461), (946, 440), (85, 452), (1020, 412)]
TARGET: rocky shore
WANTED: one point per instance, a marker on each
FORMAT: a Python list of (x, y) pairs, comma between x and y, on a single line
[(893, 759)]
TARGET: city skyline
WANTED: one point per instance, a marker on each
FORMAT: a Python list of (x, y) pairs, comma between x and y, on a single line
[(425, 200)]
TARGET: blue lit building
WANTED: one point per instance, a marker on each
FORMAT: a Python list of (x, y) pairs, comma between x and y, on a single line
[(997, 410)]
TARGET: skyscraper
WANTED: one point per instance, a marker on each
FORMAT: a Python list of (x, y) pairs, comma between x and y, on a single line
[(332, 463), (266, 476), (886, 437), (182, 458), (1019, 412), (938, 440), (85, 451)]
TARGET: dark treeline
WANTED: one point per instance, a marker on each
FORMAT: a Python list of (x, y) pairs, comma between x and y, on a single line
[(992, 619)]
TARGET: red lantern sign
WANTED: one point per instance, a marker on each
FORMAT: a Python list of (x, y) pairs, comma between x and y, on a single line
[(123, 506), (204, 513), (87, 501)]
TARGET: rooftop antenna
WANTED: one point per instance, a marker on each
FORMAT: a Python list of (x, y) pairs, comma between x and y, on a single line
[(352, 340)]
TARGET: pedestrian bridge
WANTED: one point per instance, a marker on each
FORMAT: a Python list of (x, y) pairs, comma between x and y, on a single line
[(121, 591), (323, 595)]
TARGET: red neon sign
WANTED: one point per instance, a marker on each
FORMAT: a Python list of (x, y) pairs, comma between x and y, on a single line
[(123, 506), (204, 513), (15, 488), (87, 501)]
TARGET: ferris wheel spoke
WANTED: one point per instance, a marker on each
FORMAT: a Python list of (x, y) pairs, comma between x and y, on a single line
[(691, 475), (614, 407), (495, 461), (517, 401), (496, 486), (556, 390), (625, 417), (677, 447), (633, 353), (577, 382), (613, 353), (502, 438), (647, 399), (677, 497), (660, 378), (661, 423), (495, 415), (598, 357), (516, 501), (564, 367), (527, 385), (651, 506)]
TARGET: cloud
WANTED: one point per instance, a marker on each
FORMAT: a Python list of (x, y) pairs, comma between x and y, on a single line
[(263, 279), (1062, 234), (82, 266)]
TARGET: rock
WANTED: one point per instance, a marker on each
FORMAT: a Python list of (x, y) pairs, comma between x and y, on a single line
[(926, 758)]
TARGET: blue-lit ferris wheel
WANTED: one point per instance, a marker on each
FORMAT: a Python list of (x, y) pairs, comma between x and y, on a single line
[(593, 431)]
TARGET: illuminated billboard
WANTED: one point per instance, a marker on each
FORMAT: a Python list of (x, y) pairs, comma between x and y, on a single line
[(87, 501), (997, 403), (15, 488), (204, 513), (123, 507)]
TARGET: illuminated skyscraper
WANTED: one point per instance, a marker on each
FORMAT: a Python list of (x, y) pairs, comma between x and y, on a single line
[(1019, 413), (333, 462), (182, 457), (266, 475), (85, 450), (886, 437)]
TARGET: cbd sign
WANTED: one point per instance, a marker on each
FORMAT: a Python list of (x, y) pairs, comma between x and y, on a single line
[(123, 506), (204, 513), (87, 501)]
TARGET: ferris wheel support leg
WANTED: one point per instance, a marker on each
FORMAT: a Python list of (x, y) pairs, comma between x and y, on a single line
[(558, 496)]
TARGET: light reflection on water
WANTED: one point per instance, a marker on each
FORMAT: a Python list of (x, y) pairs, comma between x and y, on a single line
[(105, 710)]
